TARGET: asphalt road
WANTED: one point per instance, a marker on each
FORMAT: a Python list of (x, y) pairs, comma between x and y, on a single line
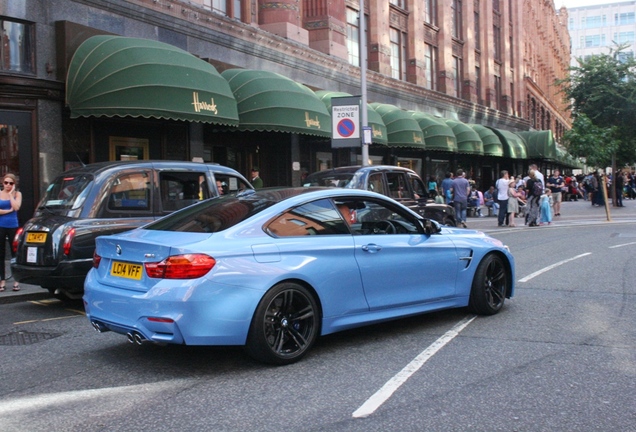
[(560, 356)]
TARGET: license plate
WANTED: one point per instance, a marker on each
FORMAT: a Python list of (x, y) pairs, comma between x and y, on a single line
[(126, 270), (36, 237)]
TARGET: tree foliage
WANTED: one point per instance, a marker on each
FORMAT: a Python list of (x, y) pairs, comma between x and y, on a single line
[(602, 95)]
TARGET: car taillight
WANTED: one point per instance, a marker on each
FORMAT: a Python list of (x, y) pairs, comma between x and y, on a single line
[(187, 266), (68, 239), (16, 239), (96, 259)]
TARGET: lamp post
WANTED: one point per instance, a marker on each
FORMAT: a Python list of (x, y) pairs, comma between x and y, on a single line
[(363, 83)]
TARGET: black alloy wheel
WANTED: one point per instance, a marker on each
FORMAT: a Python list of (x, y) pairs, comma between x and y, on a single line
[(285, 325), (490, 286)]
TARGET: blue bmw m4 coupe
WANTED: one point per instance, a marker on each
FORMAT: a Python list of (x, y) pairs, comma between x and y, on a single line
[(274, 269)]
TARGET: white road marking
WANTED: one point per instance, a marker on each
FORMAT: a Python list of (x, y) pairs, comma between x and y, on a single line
[(387, 390), (550, 267), (621, 245)]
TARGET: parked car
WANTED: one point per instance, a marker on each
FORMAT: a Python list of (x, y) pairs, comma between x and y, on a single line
[(54, 249), (273, 269), (401, 184)]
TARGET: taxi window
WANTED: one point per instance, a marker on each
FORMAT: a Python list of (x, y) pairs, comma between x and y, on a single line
[(398, 187), (130, 192), (181, 189)]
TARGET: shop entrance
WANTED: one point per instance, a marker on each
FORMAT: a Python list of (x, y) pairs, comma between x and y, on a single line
[(15, 157)]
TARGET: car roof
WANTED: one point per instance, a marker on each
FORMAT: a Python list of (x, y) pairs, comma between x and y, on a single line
[(101, 167), (360, 168)]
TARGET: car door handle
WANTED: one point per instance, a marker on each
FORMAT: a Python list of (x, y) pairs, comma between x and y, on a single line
[(372, 248)]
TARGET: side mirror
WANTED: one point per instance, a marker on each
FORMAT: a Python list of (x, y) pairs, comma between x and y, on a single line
[(431, 227)]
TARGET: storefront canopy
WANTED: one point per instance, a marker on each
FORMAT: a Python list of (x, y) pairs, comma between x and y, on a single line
[(514, 146), (468, 140), (378, 129), (438, 136), (268, 101), (119, 76), (402, 129), (540, 144), (491, 142)]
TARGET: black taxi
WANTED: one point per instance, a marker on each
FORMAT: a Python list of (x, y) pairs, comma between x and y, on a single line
[(54, 249)]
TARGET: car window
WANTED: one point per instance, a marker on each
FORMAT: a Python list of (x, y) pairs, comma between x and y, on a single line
[(418, 186), (130, 192), (212, 215), (398, 187), (314, 218), (67, 192), (328, 179), (179, 189), (376, 184), (370, 217), (228, 184)]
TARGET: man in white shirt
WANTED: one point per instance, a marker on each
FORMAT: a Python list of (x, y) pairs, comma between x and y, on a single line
[(502, 197), (538, 175)]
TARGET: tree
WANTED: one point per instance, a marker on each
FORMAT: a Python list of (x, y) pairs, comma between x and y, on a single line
[(602, 95)]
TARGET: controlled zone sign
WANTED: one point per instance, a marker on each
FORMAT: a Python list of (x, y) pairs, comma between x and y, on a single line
[(345, 121)]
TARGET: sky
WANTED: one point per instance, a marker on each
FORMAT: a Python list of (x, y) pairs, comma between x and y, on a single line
[(577, 3)]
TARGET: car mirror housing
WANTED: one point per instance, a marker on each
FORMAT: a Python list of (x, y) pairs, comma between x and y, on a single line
[(431, 227)]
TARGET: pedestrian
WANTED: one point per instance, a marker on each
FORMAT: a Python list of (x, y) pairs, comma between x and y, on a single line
[(513, 202), (502, 186), (619, 183), (556, 184), (432, 186), (546, 207), (257, 182), (538, 175), (447, 184), (10, 202), (534, 190), (461, 190), (490, 200), (597, 196)]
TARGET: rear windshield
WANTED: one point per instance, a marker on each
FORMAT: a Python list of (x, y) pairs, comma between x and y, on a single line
[(67, 192), (213, 215), (329, 179)]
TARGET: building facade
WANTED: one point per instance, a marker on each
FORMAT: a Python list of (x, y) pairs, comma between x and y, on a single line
[(596, 29), (489, 64)]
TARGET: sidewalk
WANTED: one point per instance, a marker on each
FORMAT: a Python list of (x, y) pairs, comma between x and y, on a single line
[(26, 293), (573, 213)]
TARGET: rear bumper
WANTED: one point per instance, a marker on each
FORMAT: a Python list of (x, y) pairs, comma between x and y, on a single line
[(68, 276), (174, 312)]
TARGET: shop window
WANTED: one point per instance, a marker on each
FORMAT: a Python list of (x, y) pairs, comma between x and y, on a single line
[(18, 47), (124, 149)]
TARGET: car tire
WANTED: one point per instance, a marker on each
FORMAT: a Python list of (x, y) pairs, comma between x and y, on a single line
[(285, 325), (490, 285)]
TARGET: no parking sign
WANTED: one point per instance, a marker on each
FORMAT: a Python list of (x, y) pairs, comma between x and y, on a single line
[(345, 121)]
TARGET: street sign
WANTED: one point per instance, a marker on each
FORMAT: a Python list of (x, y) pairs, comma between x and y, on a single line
[(345, 122)]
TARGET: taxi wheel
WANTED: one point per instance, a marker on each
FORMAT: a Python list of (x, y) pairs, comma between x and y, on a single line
[(285, 325), (490, 285)]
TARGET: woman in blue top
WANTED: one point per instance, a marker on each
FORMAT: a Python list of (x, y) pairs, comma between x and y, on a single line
[(10, 202)]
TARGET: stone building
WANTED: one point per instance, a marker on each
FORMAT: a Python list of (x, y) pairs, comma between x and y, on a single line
[(466, 73)]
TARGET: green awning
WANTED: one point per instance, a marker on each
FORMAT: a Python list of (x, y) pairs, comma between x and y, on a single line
[(514, 146), (378, 129), (491, 142), (402, 129), (540, 144), (120, 76), (468, 140), (438, 136), (268, 101)]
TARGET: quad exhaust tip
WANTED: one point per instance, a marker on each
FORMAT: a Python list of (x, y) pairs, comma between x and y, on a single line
[(135, 338), (100, 328)]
